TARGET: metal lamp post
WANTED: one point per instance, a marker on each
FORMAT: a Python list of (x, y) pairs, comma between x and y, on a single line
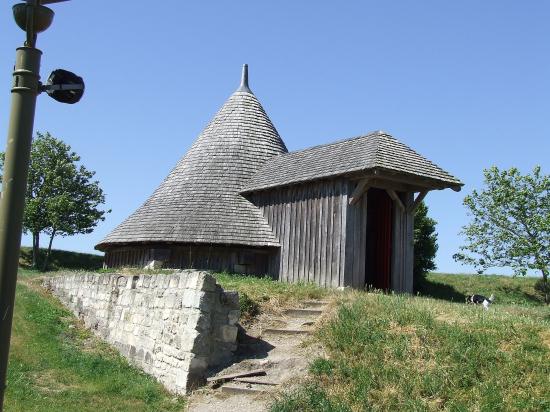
[(32, 17)]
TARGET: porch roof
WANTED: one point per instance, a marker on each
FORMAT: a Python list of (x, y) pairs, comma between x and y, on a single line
[(375, 152)]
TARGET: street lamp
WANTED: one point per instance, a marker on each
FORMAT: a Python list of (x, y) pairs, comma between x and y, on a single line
[(32, 17)]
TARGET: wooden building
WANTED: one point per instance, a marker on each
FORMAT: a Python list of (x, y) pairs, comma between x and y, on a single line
[(339, 214)]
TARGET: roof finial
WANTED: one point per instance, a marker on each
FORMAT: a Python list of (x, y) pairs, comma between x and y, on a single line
[(244, 81)]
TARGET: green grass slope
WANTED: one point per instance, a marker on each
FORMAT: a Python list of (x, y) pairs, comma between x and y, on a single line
[(55, 365), (389, 352), (62, 259), (383, 352), (507, 290)]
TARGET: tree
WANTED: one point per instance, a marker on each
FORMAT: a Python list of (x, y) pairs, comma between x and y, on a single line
[(61, 197), (510, 224), (425, 244)]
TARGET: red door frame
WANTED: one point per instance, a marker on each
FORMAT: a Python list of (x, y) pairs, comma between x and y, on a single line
[(379, 239)]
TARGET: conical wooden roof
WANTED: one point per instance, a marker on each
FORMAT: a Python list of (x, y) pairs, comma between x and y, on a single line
[(199, 201)]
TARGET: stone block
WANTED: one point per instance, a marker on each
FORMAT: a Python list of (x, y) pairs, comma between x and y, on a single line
[(154, 265), (231, 299), (173, 282), (121, 281), (228, 333), (208, 282), (233, 317), (171, 326)]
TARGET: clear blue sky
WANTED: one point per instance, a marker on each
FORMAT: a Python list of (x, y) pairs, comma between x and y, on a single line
[(467, 84)]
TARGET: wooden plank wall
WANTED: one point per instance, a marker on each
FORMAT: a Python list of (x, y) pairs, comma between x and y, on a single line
[(126, 257), (215, 257), (309, 221), (356, 242), (219, 258), (403, 246)]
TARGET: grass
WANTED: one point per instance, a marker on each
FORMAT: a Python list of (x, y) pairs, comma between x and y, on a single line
[(61, 259), (264, 288), (382, 352), (264, 294), (507, 290), (390, 352), (55, 365)]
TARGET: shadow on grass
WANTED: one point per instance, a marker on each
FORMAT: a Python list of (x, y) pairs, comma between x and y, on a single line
[(441, 291), (61, 259), (518, 291)]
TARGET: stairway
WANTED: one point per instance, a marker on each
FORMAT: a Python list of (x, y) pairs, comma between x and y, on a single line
[(266, 360)]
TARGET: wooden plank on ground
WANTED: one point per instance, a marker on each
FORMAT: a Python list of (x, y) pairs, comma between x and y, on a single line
[(255, 381), (254, 372)]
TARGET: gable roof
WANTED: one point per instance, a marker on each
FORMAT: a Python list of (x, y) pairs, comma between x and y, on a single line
[(374, 151), (199, 201)]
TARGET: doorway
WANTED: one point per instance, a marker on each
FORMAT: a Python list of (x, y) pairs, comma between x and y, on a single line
[(379, 239)]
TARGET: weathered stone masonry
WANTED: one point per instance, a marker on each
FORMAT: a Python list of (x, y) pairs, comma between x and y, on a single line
[(172, 326)]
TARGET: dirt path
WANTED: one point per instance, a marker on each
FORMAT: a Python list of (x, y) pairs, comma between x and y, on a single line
[(279, 345)]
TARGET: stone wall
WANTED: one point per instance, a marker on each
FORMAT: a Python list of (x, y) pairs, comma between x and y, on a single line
[(172, 326)]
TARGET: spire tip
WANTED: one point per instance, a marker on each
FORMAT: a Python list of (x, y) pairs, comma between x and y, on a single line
[(244, 81)]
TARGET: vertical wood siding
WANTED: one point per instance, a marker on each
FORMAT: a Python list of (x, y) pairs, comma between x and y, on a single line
[(403, 246), (209, 257), (356, 241), (310, 223), (323, 240)]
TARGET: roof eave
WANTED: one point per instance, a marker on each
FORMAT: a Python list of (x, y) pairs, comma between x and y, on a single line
[(421, 181), (103, 246), (415, 182)]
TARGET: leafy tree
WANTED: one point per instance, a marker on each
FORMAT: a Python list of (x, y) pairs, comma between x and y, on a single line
[(62, 199), (425, 244), (511, 224)]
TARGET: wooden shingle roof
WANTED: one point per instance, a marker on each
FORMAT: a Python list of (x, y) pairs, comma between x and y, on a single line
[(375, 151), (199, 201)]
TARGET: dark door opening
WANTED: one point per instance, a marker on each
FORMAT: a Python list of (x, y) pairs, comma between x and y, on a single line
[(379, 239)]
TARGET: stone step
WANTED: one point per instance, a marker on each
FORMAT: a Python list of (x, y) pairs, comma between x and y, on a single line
[(303, 312), (243, 389), (273, 331), (316, 303)]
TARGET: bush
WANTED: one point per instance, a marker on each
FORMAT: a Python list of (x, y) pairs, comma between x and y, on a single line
[(425, 245)]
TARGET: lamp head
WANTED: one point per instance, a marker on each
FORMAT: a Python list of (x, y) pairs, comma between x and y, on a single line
[(43, 16), (65, 86)]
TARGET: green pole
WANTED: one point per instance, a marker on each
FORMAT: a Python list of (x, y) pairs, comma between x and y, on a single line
[(26, 85)]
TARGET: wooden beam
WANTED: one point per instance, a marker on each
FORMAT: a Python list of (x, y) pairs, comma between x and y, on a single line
[(396, 199), (412, 208), (231, 376), (398, 187), (361, 188), (419, 181)]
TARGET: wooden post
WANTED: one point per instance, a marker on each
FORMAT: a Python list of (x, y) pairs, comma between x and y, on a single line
[(412, 208), (396, 199)]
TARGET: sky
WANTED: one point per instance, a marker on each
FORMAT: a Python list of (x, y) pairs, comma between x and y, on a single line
[(466, 84)]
